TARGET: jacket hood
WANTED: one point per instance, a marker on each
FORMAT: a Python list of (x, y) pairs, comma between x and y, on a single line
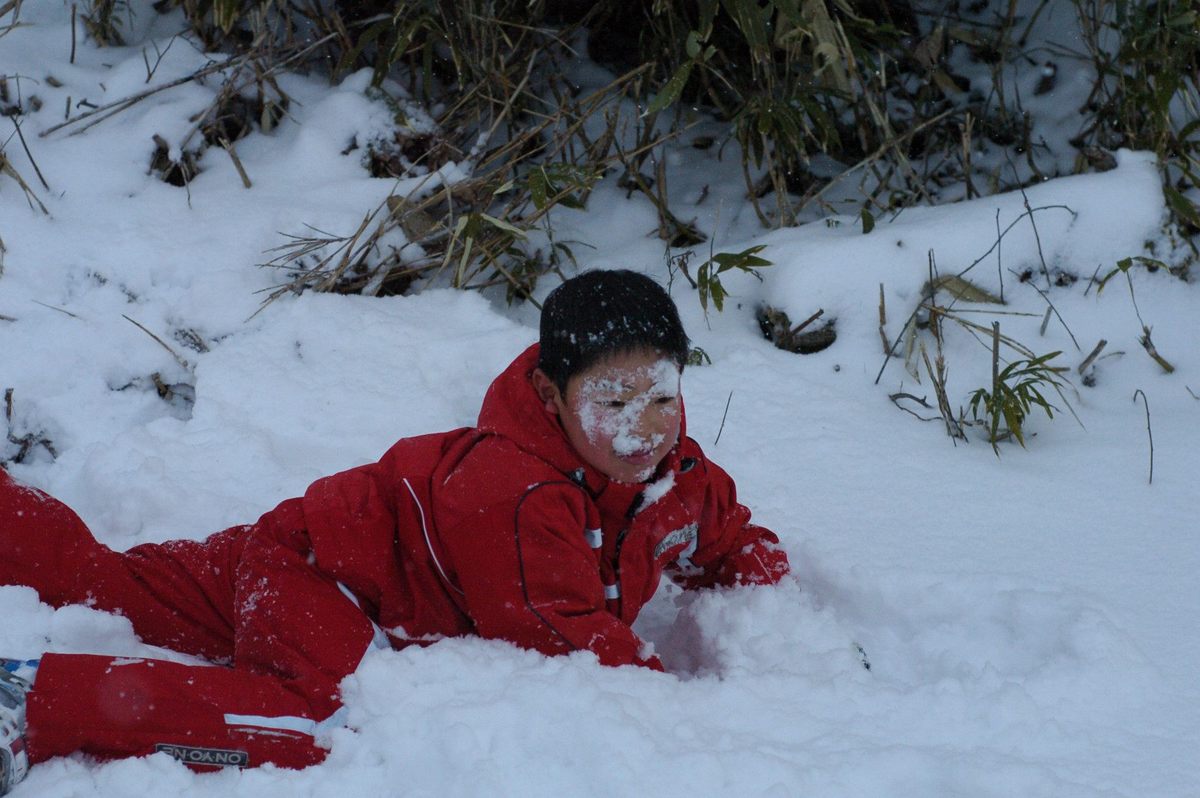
[(512, 408)]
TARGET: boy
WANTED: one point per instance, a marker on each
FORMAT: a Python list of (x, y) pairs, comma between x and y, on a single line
[(547, 525)]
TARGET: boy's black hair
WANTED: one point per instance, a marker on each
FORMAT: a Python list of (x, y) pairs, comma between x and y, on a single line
[(601, 313)]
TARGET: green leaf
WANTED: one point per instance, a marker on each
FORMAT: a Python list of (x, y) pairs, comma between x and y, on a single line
[(752, 22), (503, 225), (708, 11), (537, 188), (1187, 130), (718, 295), (225, 14), (868, 221), (1182, 206), (1125, 264), (669, 93)]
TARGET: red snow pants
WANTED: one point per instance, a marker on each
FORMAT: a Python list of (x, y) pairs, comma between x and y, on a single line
[(247, 597)]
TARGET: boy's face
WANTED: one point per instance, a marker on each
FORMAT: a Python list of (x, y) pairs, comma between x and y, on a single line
[(622, 415)]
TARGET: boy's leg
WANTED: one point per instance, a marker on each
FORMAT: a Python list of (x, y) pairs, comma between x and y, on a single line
[(251, 593), (177, 594), (297, 636), (203, 715), (291, 620)]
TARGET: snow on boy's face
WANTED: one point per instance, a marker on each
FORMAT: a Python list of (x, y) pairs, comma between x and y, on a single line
[(622, 415)]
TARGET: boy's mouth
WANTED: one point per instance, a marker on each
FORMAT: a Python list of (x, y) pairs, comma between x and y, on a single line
[(640, 457)]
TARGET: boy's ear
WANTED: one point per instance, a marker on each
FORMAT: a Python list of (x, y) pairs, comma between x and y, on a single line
[(547, 391)]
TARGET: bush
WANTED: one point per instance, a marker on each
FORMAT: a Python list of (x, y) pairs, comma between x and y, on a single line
[(868, 85)]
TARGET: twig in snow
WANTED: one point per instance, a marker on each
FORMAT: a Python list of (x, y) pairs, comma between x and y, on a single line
[(118, 106), (820, 312), (26, 442), (7, 168), (237, 162), (28, 154), (13, 7), (1092, 281), (1145, 341), (938, 378), (161, 54), (1148, 345), (995, 246), (52, 307), (883, 323), (896, 397), (1149, 434), (1037, 238), (1087, 361), (160, 341), (999, 260), (1011, 225), (1056, 313), (1032, 223), (995, 358), (723, 415)]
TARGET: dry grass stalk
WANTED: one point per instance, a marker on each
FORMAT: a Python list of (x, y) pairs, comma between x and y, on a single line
[(227, 145), (1091, 358), (6, 168), (472, 231), (182, 362), (11, 7), (1148, 345), (883, 323), (937, 377), (1149, 432), (26, 443)]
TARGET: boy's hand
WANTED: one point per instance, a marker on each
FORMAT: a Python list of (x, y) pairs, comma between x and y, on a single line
[(760, 563)]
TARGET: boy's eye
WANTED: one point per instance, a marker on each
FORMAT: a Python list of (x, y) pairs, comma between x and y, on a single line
[(664, 400), (614, 404)]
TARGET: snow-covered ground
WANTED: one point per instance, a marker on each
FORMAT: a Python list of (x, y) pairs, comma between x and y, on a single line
[(1030, 619)]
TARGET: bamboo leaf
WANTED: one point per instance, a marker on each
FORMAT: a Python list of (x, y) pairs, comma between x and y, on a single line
[(962, 288), (1182, 206), (752, 22), (671, 91), (225, 14), (537, 188), (868, 221), (507, 227)]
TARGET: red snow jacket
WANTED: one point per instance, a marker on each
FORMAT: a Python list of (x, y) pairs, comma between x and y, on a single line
[(502, 530)]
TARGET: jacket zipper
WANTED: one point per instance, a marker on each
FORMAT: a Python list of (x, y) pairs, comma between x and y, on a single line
[(629, 514), (617, 569)]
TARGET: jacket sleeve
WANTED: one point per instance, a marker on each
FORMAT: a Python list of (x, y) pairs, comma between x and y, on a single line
[(529, 577), (731, 550)]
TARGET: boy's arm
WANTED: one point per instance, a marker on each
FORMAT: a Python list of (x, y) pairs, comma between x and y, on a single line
[(529, 577), (731, 550)]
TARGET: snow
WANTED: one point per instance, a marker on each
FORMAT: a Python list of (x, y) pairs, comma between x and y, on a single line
[(1029, 619)]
